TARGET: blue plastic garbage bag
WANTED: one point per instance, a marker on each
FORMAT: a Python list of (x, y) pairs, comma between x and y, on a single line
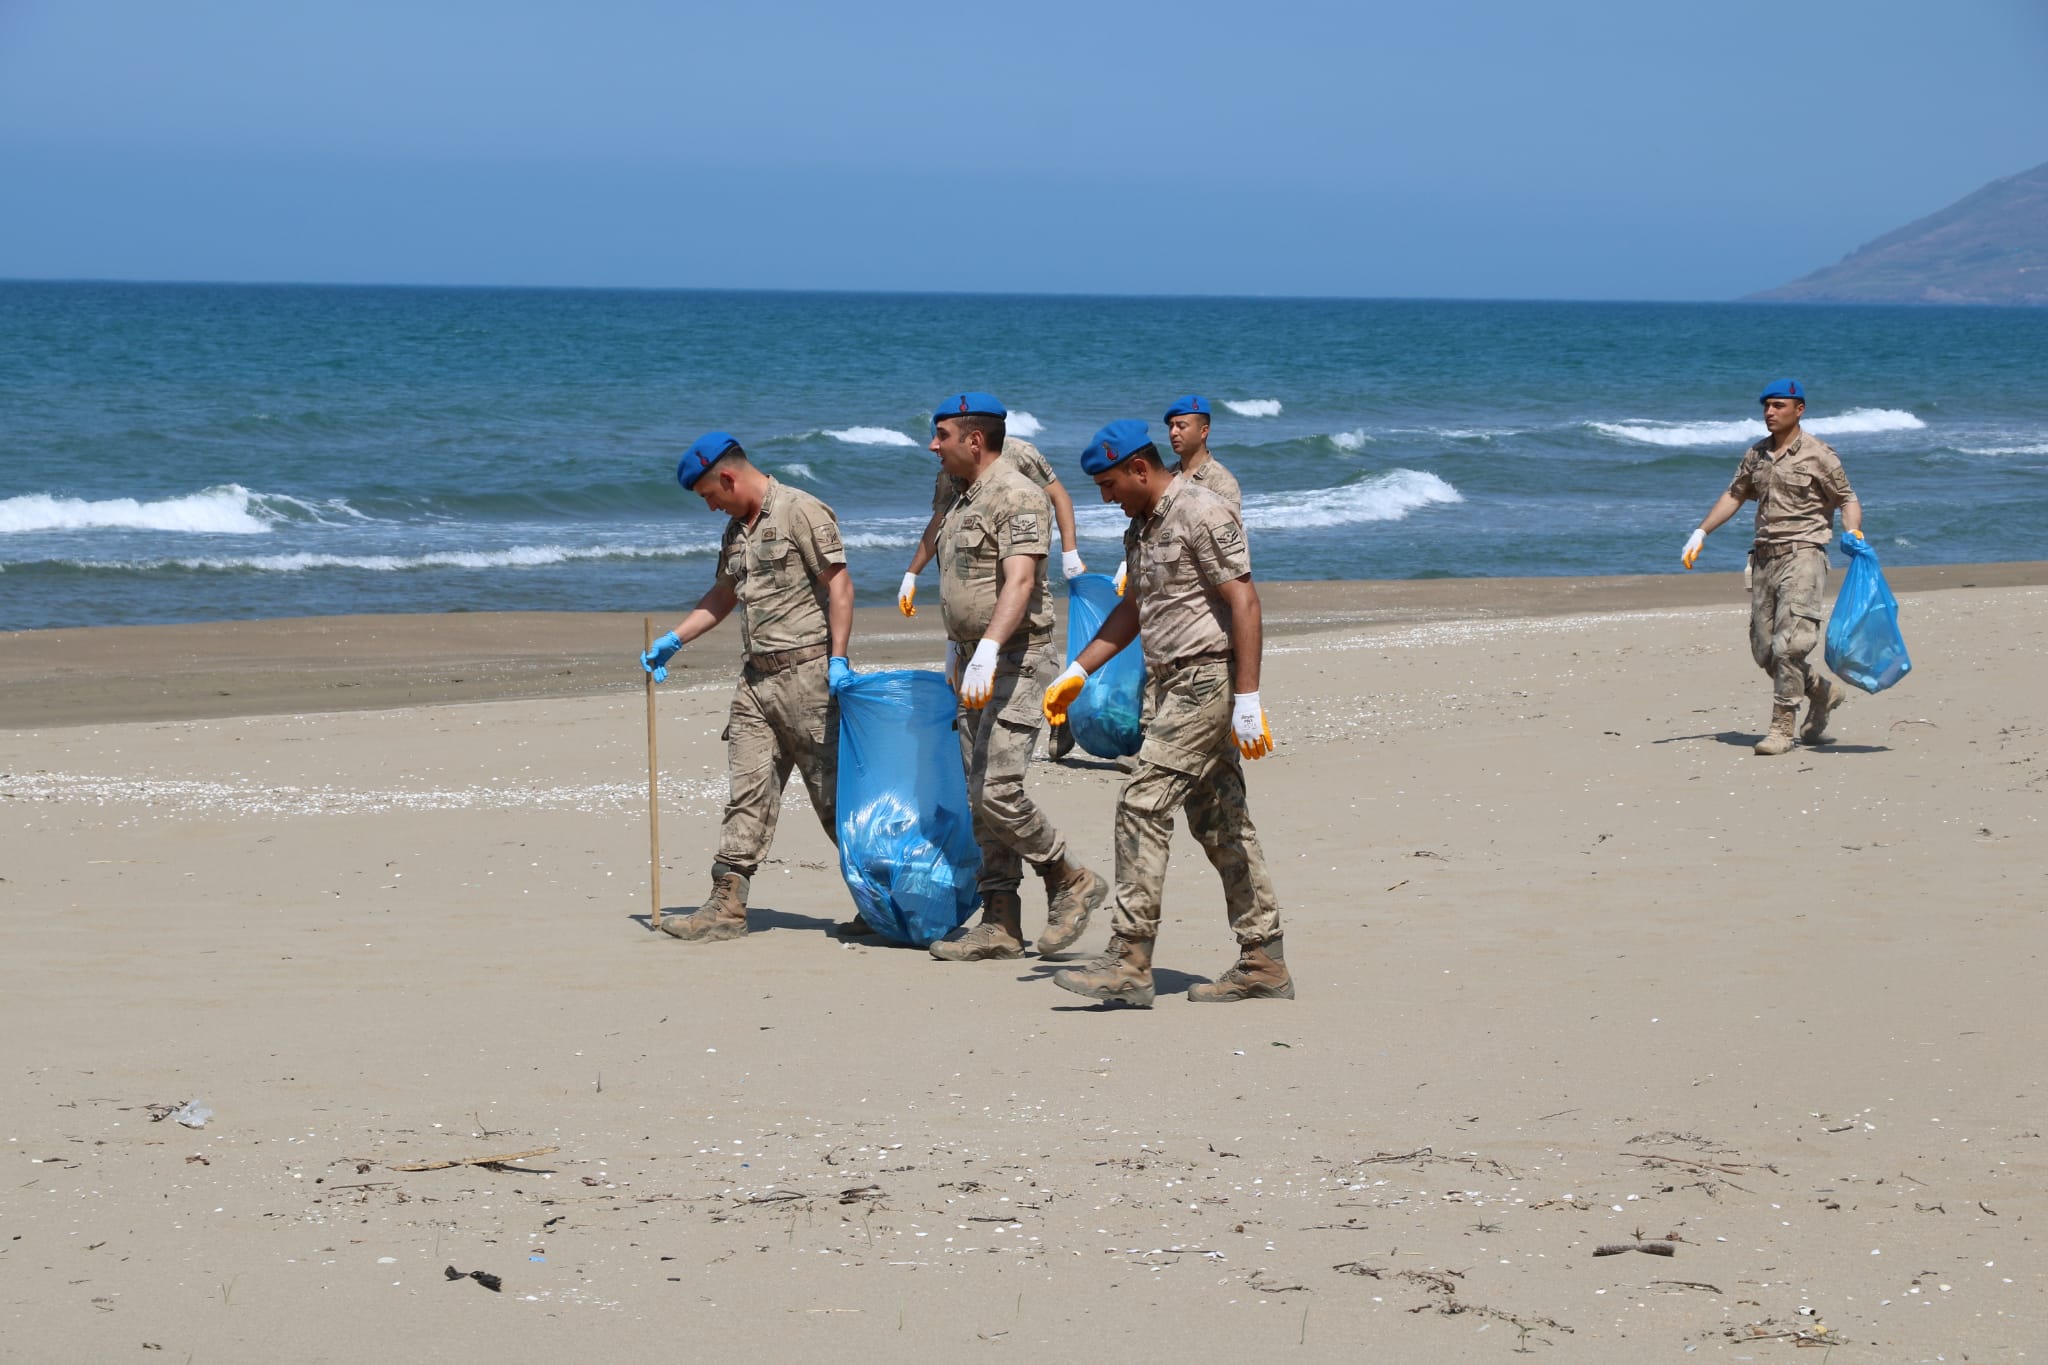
[(1107, 718), (906, 837), (1864, 645)]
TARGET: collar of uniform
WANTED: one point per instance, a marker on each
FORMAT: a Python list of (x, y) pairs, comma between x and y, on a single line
[(1764, 447), (975, 485), (1166, 500), (767, 505)]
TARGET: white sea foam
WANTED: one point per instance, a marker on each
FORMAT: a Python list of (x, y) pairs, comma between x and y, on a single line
[(228, 509), (2004, 450), (800, 470), (1349, 440), (1853, 422), (1023, 424), (1384, 497), (877, 540), (1253, 407), (516, 557), (870, 436)]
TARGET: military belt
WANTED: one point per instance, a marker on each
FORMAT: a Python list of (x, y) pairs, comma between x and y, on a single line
[(1214, 656), (786, 658)]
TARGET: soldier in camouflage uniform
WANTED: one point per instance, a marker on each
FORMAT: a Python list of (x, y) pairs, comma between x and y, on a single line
[(781, 563), (1797, 482), (992, 543), (1187, 430), (946, 490), (1193, 603)]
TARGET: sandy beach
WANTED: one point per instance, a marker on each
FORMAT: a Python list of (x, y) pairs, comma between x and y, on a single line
[(1577, 971)]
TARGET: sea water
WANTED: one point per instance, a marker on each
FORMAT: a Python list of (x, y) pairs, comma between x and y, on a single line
[(177, 453)]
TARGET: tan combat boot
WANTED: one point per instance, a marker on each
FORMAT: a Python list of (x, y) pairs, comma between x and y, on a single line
[(1123, 973), (998, 934), (1779, 740), (1823, 699), (1260, 973), (723, 914), (1072, 894)]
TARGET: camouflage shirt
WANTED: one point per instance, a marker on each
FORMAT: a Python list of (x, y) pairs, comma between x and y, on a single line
[(777, 568), (1022, 454), (1796, 491), (1192, 542), (1001, 514), (1218, 480)]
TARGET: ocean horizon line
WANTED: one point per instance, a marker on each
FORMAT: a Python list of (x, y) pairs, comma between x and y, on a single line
[(1006, 295)]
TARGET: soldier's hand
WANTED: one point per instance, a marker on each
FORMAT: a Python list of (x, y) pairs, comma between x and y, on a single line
[(1248, 725), (1061, 694), (1123, 569), (978, 681), (655, 659), (838, 673), (906, 596), (1692, 547), (1853, 544), (1071, 565)]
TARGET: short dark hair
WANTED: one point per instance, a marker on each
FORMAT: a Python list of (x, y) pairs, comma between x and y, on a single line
[(732, 455), (1148, 451), (994, 430)]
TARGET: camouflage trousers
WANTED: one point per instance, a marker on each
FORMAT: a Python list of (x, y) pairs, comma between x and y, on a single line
[(1190, 759), (995, 748), (1785, 594), (779, 721)]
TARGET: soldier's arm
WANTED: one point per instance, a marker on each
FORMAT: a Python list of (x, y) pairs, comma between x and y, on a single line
[(838, 607), (1725, 506), (711, 608), (927, 545), (1118, 629), (1247, 631), (1062, 512)]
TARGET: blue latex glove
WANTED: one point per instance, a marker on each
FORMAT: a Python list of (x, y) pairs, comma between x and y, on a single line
[(1854, 545), (655, 660), (838, 673)]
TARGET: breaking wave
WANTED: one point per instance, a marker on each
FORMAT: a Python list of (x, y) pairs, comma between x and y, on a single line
[(516, 557), (1855, 421), (226, 510), (1023, 424), (1382, 497), (1349, 440), (870, 436), (1253, 407)]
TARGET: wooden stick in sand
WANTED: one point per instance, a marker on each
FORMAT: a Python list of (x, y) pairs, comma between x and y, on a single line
[(653, 795)]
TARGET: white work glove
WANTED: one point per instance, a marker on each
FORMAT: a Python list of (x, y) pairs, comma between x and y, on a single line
[(952, 664), (1061, 694), (1248, 724), (1071, 565), (906, 596), (978, 681), (1692, 547), (1123, 567)]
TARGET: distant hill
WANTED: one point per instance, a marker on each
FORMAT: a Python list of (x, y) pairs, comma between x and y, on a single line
[(1990, 247)]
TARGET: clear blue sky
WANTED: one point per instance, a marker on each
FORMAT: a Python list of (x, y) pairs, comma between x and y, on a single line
[(1467, 148)]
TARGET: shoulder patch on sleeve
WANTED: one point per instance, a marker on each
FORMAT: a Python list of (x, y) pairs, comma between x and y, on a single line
[(1024, 523), (1228, 536)]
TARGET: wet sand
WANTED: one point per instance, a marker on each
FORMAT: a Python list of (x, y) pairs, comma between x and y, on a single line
[(1576, 970), (348, 663)]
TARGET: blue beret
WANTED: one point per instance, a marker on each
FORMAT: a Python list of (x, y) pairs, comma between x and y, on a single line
[(1114, 444), (1783, 388), (1193, 403), (701, 456), (970, 404)]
